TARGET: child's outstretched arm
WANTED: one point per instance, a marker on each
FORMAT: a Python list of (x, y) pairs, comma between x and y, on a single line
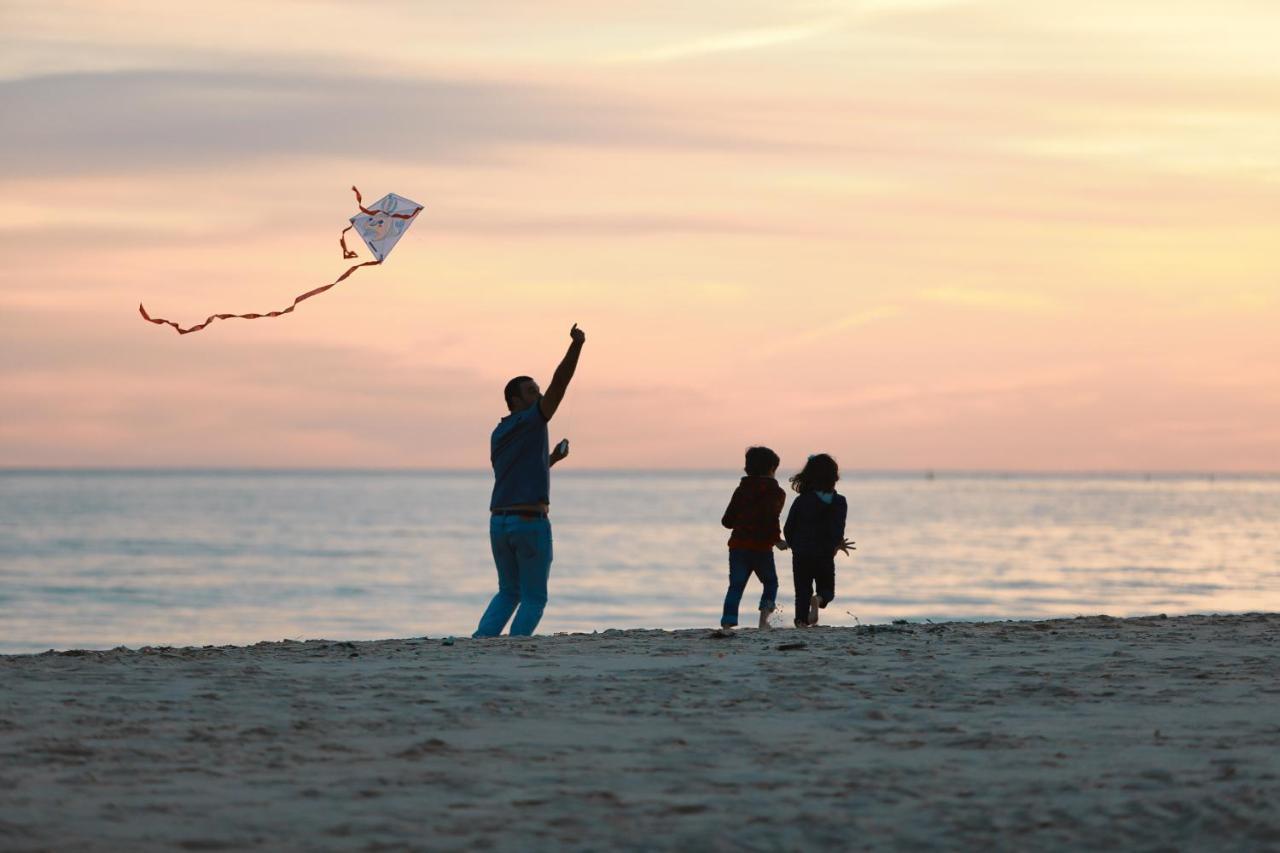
[(839, 513)]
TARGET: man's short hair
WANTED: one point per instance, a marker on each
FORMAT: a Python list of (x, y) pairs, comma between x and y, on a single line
[(761, 460), (513, 387)]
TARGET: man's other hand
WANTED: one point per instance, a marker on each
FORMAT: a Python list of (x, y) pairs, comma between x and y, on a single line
[(577, 334)]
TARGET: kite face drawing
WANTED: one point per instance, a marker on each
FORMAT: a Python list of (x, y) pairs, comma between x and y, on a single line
[(380, 226)]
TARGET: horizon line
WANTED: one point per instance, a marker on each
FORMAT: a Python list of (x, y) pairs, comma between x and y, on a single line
[(923, 471)]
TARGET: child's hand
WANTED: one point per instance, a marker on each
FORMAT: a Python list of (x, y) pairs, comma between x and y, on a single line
[(846, 546), (782, 545)]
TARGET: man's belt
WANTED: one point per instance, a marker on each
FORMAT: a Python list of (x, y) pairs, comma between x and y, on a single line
[(523, 513)]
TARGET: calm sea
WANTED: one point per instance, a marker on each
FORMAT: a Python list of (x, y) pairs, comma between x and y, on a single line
[(99, 559)]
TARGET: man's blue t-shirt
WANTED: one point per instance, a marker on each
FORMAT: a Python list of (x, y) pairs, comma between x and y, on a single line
[(520, 453)]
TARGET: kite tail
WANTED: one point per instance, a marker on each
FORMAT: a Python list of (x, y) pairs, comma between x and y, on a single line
[(347, 254), (310, 293)]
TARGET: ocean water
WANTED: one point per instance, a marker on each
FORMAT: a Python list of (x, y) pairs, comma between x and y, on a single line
[(92, 559)]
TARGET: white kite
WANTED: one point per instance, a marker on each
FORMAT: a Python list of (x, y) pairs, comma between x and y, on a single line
[(381, 227)]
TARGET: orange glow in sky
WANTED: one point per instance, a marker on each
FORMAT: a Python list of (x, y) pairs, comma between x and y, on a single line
[(914, 234)]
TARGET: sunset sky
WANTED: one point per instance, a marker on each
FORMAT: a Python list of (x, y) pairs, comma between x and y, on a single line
[(999, 235)]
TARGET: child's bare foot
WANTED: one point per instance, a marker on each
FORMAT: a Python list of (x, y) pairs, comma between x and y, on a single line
[(814, 603), (800, 623), (764, 619)]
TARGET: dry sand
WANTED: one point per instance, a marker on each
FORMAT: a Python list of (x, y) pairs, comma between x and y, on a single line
[(1082, 733)]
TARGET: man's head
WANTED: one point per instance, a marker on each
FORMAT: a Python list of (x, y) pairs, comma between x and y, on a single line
[(521, 393), (761, 462)]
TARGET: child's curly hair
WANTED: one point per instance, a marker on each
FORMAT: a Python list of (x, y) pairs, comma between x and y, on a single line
[(818, 475)]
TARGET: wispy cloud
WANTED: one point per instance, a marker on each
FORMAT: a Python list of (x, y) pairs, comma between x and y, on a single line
[(737, 41), (85, 123), (837, 327), (1027, 301), (763, 38), (986, 299)]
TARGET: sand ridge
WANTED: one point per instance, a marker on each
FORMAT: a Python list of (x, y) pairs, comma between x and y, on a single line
[(1143, 733)]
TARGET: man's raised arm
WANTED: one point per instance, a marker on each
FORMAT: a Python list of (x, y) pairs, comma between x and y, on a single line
[(560, 380)]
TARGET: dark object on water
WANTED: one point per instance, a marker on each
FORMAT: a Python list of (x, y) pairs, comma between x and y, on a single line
[(900, 622), (790, 647), (447, 641)]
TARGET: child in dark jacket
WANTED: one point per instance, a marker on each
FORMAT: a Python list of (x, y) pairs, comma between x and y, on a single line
[(752, 515), (815, 532)]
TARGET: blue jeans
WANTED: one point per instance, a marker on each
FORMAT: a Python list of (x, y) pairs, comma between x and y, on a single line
[(742, 565), (522, 553)]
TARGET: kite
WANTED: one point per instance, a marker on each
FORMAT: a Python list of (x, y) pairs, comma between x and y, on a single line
[(381, 227)]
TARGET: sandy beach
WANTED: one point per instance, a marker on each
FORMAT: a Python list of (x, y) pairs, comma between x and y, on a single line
[(1094, 732)]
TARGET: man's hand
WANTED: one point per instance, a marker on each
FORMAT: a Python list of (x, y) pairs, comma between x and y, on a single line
[(846, 546), (577, 334), (559, 452)]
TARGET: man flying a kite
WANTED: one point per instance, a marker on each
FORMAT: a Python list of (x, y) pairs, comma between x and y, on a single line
[(519, 530)]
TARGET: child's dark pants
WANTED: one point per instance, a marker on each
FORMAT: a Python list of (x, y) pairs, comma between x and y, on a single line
[(808, 571)]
